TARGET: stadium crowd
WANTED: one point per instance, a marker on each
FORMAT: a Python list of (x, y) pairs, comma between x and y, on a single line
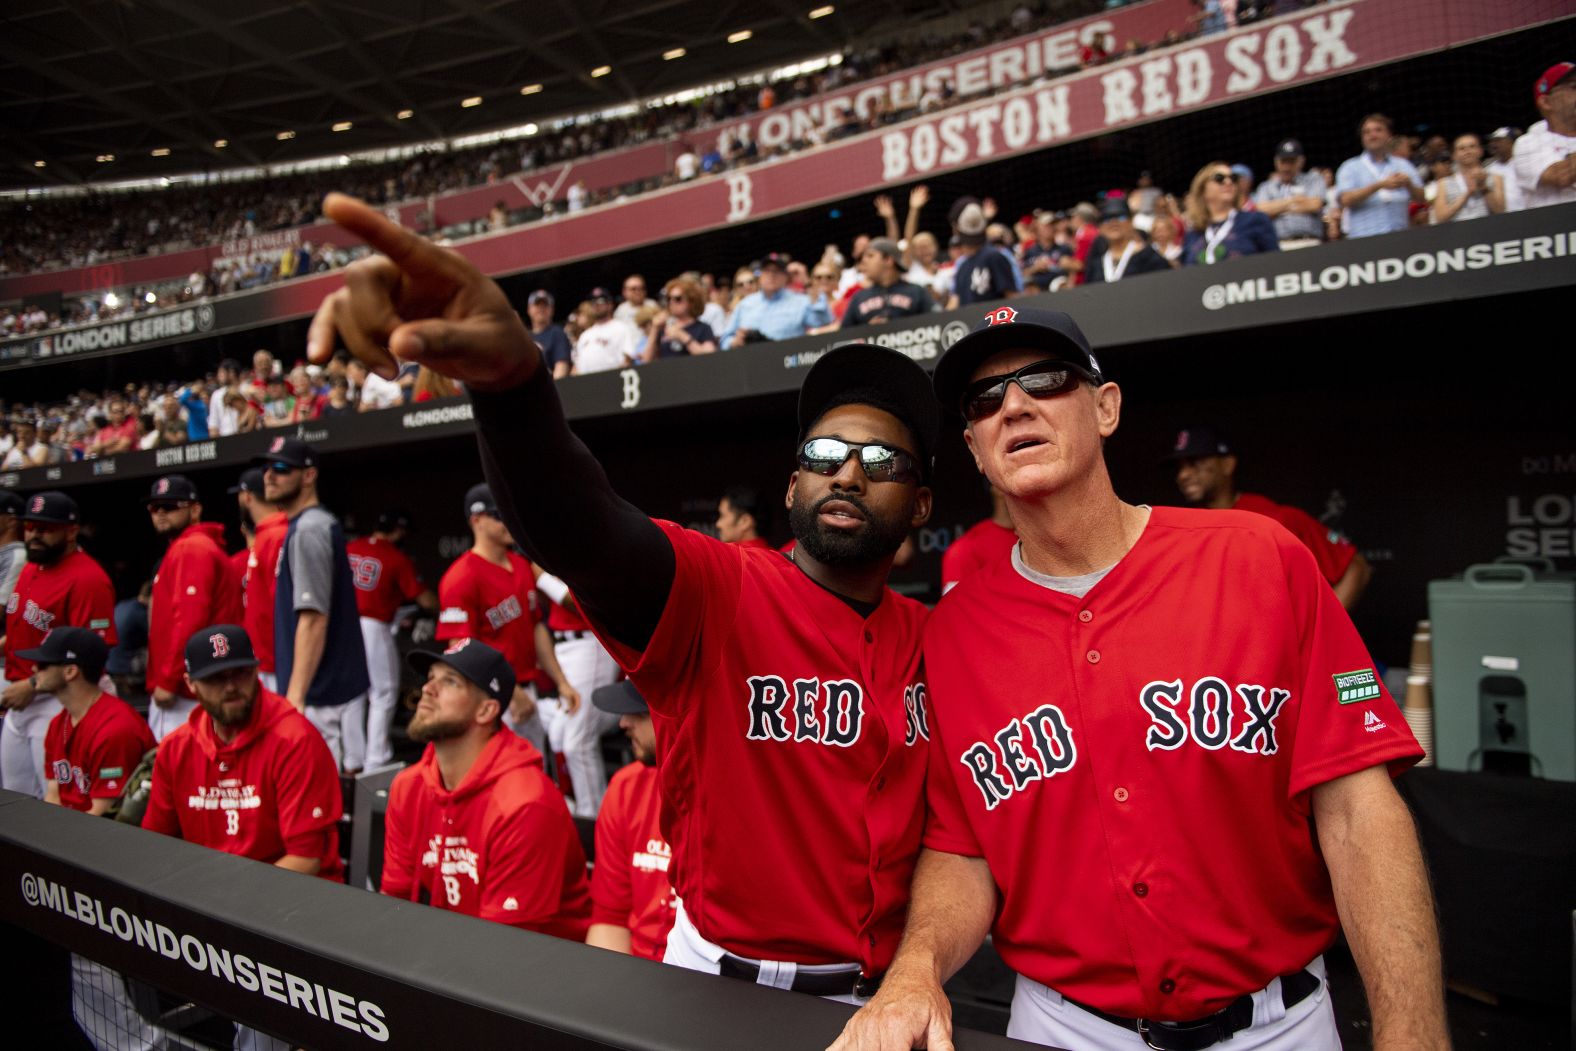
[(46, 233), (1395, 182)]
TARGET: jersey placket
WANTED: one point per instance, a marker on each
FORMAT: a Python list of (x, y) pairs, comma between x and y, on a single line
[(880, 808)]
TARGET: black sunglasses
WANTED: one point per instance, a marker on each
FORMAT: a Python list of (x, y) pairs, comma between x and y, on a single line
[(280, 467), (1038, 379), (881, 463), (1219, 177), (165, 506)]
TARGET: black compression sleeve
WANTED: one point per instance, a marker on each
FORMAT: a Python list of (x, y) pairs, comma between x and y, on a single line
[(563, 512)]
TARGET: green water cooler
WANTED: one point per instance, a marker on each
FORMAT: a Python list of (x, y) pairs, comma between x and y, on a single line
[(1504, 669)]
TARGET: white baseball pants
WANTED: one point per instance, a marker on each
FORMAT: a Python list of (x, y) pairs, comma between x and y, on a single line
[(164, 719), (586, 665), (690, 949), (383, 670), (22, 745)]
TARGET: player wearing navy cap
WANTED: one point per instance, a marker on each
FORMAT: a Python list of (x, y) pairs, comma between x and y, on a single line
[(192, 586), (60, 585)]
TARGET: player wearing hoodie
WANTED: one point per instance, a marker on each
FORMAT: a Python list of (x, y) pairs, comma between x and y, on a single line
[(193, 587), (246, 774), (476, 827)]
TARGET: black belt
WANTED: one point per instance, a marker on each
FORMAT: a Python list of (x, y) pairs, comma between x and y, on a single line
[(569, 636), (816, 983), (1212, 1029)]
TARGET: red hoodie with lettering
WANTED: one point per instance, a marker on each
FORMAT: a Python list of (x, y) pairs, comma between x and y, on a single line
[(501, 845), (194, 588), (272, 790)]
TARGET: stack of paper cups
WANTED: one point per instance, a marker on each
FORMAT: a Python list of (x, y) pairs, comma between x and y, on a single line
[(1419, 705)]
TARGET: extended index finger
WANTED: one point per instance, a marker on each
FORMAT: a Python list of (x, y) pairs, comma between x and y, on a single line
[(413, 253)]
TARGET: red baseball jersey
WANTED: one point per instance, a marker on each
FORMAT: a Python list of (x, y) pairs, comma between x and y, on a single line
[(192, 589), (272, 790), (384, 576), (1332, 551), (92, 759), (1135, 765), (564, 618), (981, 545), (790, 732), (73, 593), (630, 885), (261, 571), (238, 563), (481, 600), (500, 846)]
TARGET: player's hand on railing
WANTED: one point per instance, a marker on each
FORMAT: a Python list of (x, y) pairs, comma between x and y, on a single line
[(420, 303), (910, 1010)]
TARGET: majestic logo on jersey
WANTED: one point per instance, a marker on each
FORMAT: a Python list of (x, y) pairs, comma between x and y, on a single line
[(504, 612), (830, 712), (1372, 723), (37, 616), (1001, 315), (365, 571), (1354, 686), (1210, 717), (221, 645), (1035, 748)]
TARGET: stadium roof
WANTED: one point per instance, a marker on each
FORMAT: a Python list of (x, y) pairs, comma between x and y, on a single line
[(167, 87)]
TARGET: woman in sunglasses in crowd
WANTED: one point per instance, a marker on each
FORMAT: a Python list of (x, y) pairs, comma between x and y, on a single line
[(677, 330), (1218, 227)]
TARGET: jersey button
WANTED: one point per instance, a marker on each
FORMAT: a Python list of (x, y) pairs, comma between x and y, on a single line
[(1142, 890), (1167, 986), (869, 637), (1121, 795), (1085, 616), (1093, 656)]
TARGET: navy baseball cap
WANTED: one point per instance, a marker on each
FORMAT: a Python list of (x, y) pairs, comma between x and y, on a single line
[(599, 293), (1288, 149), (476, 661), (1012, 328), (11, 503), (52, 506), (391, 520), (479, 500), (620, 698), (1194, 442), (172, 489), (79, 646), (896, 375), (251, 482), (285, 449), (778, 259), (541, 295), (1115, 207), (218, 648)]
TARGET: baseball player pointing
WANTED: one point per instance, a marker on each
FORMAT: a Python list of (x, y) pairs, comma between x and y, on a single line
[(1160, 757), (777, 687)]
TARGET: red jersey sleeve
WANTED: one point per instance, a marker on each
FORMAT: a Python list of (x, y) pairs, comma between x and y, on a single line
[(308, 794), (611, 899), (455, 605), (946, 825), (196, 590), (92, 605), (1345, 719), (529, 861), (112, 759), (160, 815), (406, 580), (701, 606), (1332, 551), (399, 854)]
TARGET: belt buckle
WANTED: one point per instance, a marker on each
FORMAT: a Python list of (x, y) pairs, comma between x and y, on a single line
[(867, 986), (1143, 1032), (1188, 1032)]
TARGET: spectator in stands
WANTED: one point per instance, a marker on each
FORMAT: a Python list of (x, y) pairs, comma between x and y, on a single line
[(550, 337), (886, 294), (687, 164), (1244, 176), (983, 273), (1292, 198), (1165, 233), (1121, 252), (119, 433), (1219, 228), (1502, 148), (248, 416), (279, 405), (772, 312), (678, 331), (634, 298), (607, 343), (338, 403), (1043, 255), (263, 367), (194, 399), (1086, 227), (1375, 187), (27, 451), (431, 385), (1471, 191), (1545, 157), (222, 419), (375, 392)]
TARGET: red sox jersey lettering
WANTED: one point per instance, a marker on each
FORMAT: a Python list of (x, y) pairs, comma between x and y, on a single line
[(827, 713), (1209, 715), (365, 571)]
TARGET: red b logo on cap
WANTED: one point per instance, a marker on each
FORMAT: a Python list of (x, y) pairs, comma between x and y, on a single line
[(36, 506), (279, 443), (1181, 441), (221, 645), (163, 487), (1001, 316), (457, 645)]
